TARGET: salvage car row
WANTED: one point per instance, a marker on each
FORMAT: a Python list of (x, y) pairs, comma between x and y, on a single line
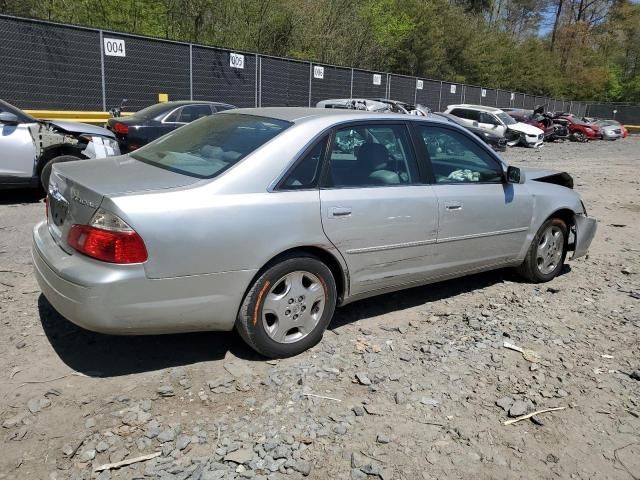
[(29, 146)]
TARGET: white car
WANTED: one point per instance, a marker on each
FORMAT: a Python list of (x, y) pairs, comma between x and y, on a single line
[(499, 123)]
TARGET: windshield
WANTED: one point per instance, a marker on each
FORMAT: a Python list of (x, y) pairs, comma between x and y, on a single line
[(506, 119), (210, 145)]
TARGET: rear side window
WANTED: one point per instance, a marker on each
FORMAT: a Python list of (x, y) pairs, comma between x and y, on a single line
[(372, 155), (211, 145), (466, 114), (194, 112), (306, 173)]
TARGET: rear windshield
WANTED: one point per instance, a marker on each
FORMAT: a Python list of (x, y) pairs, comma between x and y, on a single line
[(210, 145)]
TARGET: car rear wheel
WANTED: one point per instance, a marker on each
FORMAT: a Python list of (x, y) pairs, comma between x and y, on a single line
[(288, 307), (45, 173), (547, 252)]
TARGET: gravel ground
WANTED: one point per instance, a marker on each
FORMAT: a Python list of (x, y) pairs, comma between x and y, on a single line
[(417, 383)]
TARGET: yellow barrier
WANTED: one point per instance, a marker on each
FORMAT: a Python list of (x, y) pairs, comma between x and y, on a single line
[(99, 118)]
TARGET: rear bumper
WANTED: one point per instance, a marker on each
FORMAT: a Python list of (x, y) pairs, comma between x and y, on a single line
[(120, 299), (585, 231)]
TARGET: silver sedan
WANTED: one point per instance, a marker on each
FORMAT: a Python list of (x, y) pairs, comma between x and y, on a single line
[(267, 219)]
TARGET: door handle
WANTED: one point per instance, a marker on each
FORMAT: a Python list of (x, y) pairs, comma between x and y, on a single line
[(339, 211), (453, 206)]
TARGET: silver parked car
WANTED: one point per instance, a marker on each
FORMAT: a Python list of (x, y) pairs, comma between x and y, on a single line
[(29, 147), (266, 219)]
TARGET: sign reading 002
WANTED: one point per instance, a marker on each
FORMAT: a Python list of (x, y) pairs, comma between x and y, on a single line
[(114, 47), (236, 60)]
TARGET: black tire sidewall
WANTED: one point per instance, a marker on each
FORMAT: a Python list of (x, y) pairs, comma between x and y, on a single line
[(45, 173), (539, 276), (250, 322)]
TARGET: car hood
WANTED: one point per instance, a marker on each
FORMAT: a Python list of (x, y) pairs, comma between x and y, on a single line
[(121, 175), (525, 128), (77, 127)]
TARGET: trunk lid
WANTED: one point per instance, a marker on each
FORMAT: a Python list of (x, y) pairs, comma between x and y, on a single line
[(77, 189)]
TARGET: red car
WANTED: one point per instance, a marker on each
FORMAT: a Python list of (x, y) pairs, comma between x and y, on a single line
[(582, 131)]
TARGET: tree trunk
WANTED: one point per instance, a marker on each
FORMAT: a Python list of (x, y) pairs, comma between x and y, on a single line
[(556, 23)]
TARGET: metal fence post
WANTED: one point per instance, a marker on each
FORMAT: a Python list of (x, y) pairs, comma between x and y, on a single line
[(260, 84), (310, 77), (351, 89), (256, 82), (415, 91), (104, 90), (440, 98), (190, 71), (388, 94)]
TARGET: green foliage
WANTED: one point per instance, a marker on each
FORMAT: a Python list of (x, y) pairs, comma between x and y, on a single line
[(595, 53)]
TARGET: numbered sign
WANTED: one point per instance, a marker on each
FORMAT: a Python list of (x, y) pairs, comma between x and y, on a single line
[(419, 84), (318, 72), (377, 79), (236, 60), (513, 96), (484, 92), (114, 47), (453, 89)]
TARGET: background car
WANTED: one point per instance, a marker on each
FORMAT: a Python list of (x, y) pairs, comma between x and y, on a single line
[(580, 130), (498, 143), (496, 121), (171, 237), (355, 104), (610, 129), (156, 120), (28, 146)]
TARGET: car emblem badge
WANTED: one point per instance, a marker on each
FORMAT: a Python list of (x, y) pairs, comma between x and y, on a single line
[(75, 196)]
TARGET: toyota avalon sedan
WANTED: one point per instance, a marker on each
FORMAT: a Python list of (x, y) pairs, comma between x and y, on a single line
[(265, 220)]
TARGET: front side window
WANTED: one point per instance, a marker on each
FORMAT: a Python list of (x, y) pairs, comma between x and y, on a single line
[(455, 158), (209, 146), (488, 118), (372, 155)]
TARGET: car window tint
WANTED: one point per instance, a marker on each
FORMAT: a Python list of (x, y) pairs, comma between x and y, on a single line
[(209, 146), (306, 173), (194, 112), (372, 155), (456, 158), (466, 114)]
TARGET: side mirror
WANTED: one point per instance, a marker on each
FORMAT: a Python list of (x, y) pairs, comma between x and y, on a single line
[(475, 124), (9, 118), (515, 175)]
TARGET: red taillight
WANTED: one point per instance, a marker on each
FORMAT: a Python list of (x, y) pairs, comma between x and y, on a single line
[(120, 128), (108, 245)]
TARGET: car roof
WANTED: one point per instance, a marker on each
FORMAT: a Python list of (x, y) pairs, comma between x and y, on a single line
[(480, 108), (305, 114)]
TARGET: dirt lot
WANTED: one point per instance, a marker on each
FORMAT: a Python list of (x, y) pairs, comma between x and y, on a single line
[(419, 383)]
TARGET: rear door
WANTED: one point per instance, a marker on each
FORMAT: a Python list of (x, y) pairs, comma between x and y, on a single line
[(482, 220), (375, 206)]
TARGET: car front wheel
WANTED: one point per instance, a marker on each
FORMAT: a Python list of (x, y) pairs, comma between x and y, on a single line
[(288, 307), (547, 252)]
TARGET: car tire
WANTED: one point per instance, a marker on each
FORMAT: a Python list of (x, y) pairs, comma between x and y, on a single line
[(288, 307), (45, 173), (547, 252)]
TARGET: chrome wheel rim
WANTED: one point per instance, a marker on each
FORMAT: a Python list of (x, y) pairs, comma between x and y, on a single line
[(550, 249), (293, 307)]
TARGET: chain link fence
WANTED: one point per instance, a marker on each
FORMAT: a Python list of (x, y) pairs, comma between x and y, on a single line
[(62, 67)]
